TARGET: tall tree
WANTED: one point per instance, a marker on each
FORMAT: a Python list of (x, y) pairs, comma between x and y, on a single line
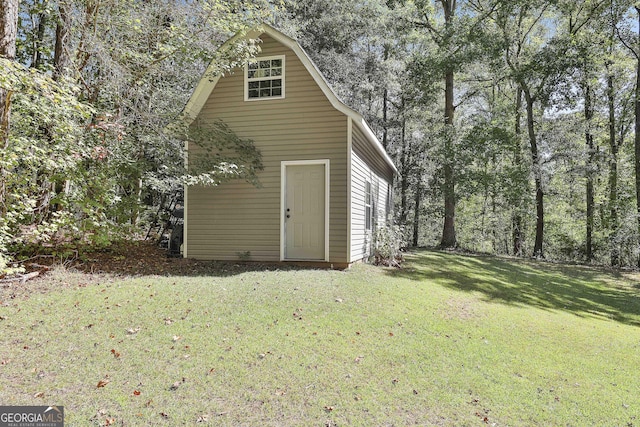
[(452, 27), (619, 95), (531, 56), (631, 41), (8, 33), (586, 23), (449, 40)]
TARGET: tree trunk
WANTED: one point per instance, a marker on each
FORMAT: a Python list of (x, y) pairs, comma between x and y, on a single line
[(404, 183), (517, 236), (588, 115), (637, 139), (385, 107), (385, 126), (37, 61), (449, 230), (8, 33), (537, 174), (416, 216), (61, 57), (613, 175)]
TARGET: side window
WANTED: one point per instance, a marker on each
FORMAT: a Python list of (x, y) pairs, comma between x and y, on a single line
[(368, 211), (264, 78)]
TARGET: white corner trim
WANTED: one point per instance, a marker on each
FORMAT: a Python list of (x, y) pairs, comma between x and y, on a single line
[(349, 185), (185, 204), (283, 201)]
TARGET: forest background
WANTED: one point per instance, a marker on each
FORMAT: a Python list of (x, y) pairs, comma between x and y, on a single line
[(514, 123)]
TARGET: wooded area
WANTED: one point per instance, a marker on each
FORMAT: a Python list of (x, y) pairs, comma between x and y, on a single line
[(514, 123)]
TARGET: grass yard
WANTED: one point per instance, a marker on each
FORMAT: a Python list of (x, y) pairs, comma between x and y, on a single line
[(449, 340)]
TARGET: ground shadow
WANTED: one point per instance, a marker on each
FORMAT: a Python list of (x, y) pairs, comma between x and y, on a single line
[(580, 290)]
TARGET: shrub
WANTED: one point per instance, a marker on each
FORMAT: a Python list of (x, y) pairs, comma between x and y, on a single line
[(388, 242)]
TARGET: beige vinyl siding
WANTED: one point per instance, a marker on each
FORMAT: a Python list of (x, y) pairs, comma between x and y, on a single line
[(372, 158), (360, 238), (236, 217), (366, 165)]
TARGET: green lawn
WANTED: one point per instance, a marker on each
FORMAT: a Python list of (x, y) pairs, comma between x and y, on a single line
[(449, 340)]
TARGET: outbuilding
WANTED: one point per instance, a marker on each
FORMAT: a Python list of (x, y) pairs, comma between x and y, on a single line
[(327, 180)]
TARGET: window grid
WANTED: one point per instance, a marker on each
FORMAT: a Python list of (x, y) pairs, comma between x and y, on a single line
[(367, 205), (264, 78)]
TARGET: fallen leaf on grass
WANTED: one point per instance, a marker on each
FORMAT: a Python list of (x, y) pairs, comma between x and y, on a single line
[(133, 331), (177, 384), (39, 395), (109, 421), (136, 392), (483, 417), (115, 353), (176, 338), (102, 383), (164, 415), (328, 408)]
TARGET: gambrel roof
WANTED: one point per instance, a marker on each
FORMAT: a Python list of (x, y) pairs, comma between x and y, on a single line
[(207, 84)]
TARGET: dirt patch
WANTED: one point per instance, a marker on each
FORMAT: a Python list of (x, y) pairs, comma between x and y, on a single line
[(135, 258), (139, 258)]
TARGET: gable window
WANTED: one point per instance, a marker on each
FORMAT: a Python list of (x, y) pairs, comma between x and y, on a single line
[(264, 78), (368, 212)]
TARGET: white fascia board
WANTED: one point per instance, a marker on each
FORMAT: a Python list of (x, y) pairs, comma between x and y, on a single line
[(198, 98), (364, 127), (208, 81)]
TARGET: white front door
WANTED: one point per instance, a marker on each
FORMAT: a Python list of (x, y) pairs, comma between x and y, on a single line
[(304, 206)]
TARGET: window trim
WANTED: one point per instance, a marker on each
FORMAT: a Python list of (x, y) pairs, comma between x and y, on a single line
[(247, 79)]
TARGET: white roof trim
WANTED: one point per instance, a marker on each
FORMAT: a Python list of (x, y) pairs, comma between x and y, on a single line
[(207, 84)]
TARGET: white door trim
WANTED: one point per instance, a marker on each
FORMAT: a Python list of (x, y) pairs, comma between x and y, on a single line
[(283, 201)]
